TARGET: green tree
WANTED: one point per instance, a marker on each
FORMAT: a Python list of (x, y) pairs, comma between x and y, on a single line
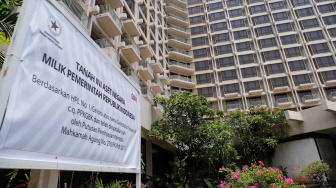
[(203, 144), (257, 132)]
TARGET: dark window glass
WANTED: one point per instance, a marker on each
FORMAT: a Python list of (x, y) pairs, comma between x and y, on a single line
[(233, 104), (249, 72), (195, 10), (219, 26), (235, 13), (314, 35), (255, 101), (246, 59), (289, 39), (240, 34), (309, 23), (250, 86), (326, 8), (221, 37), (281, 97), (329, 20), (215, 6), (264, 30), (284, 27), (258, 9), (330, 92), (238, 23), (329, 75), (275, 68), (292, 52), (231, 88), (265, 43), (243, 46), (255, 1), (297, 65), (196, 19), (305, 94), (301, 79), (197, 30), (261, 19), (224, 49), (200, 53), (191, 2), (277, 5), (202, 65), (203, 78), (226, 61), (229, 75), (280, 16), (305, 12), (206, 91), (319, 48), (232, 3), (198, 41), (300, 2), (325, 61), (217, 16), (272, 55), (332, 32), (279, 82)]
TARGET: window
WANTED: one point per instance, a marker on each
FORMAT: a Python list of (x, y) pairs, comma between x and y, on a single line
[(250, 86), (280, 16), (289, 39), (232, 3), (226, 62), (330, 92), (221, 37), (284, 27), (264, 30), (235, 13), (203, 78), (249, 72), (200, 53), (309, 23), (202, 65), (231, 88), (229, 75), (255, 1), (199, 41), (261, 19), (305, 12), (224, 49), (277, 6), (292, 52), (275, 68), (219, 26), (197, 30), (233, 104), (297, 65), (246, 59), (319, 48), (332, 32), (196, 19), (215, 6), (206, 91), (191, 2), (265, 43), (301, 79), (243, 46), (314, 35), (195, 10), (279, 82), (325, 61), (217, 16), (240, 34), (300, 2), (255, 101), (272, 55), (282, 98), (326, 8), (329, 20), (329, 75), (258, 9), (238, 23)]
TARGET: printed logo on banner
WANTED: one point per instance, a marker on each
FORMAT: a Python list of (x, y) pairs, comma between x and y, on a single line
[(134, 98), (54, 26)]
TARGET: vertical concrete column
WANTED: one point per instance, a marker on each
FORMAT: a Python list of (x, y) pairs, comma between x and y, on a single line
[(49, 181), (149, 160)]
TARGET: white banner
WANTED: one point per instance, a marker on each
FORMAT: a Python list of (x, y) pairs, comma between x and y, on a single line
[(68, 103)]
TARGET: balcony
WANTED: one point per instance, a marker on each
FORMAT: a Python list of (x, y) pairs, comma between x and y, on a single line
[(330, 83), (178, 31), (159, 108), (231, 95), (258, 103), (284, 102), (306, 86), (156, 66), (109, 21), (130, 50), (145, 70), (131, 74), (255, 92), (176, 20), (181, 81), (77, 10), (147, 94), (164, 79), (156, 85), (280, 89), (146, 51), (179, 43), (108, 48), (180, 55), (116, 3), (332, 96), (166, 94), (180, 68), (176, 10), (131, 28), (232, 107), (311, 99), (181, 3)]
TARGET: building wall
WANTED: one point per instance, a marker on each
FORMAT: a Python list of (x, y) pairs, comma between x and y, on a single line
[(328, 155)]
